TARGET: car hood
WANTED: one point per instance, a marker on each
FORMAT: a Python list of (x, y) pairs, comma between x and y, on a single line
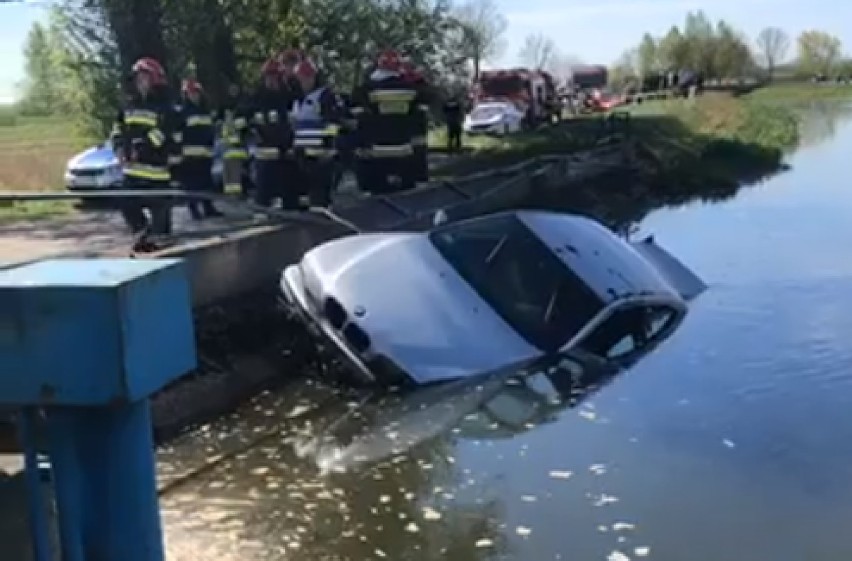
[(95, 157), (417, 310)]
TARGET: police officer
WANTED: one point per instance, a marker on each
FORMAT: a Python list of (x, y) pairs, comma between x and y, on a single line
[(145, 141), (316, 119), (233, 120), (386, 107), (271, 125), (198, 135)]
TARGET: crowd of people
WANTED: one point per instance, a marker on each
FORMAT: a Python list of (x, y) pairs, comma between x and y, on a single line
[(296, 131)]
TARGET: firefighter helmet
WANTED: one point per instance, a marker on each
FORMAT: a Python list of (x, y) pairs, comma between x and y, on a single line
[(291, 56), (389, 60), (152, 68), (191, 86), (272, 67), (306, 69)]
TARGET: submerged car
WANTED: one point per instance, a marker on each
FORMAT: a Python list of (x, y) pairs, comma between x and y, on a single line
[(496, 117), (485, 295)]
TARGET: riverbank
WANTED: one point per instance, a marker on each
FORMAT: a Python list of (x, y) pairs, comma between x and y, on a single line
[(801, 92)]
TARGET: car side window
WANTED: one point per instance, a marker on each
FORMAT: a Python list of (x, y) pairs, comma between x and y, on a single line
[(628, 331)]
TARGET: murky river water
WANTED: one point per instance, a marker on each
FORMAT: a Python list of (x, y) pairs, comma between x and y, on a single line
[(732, 441)]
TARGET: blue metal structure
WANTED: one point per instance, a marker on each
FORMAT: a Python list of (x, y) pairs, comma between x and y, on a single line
[(83, 345)]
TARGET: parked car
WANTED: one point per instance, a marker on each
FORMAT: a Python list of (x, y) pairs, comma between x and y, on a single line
[(494, 117), (484, 295), (98, 168)]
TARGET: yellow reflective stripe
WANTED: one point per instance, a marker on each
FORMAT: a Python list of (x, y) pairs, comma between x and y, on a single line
[(142, 171), (232, 139), (307, 141), (267, 153), (357, 110), (400, 150), (177, 137), (174, 160), (235, 154), (319, 152), (259, 118), (392, 95), (144, 121), (198, 151), (233, 188), (198, 120), (116, 129), (156, 137), (424, 107), (240, 122)]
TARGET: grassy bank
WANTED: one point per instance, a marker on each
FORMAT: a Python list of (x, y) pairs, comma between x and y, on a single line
[(716, 137), (801, 92)]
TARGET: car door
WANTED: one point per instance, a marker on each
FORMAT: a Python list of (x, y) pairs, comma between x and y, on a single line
[(629, 332)]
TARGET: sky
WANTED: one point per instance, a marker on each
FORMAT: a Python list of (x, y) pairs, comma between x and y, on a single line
[(594, 31)]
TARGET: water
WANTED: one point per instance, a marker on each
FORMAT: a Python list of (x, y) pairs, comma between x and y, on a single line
[(731, 441)]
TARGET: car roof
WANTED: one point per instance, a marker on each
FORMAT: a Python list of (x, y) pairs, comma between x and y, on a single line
[(607, 263)]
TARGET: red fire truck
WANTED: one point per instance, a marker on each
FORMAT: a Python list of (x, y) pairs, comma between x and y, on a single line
[(533, 92)]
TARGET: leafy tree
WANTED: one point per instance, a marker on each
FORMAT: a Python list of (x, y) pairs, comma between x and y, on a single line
[(773, 44), (537, 52), (819, 52), (648, 58), (482, 27), (41, 87)]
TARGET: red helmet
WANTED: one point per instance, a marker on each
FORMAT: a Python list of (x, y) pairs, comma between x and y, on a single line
[(191, 86), (291, 56), (306, 68), (389, 60), (272, 67), (152, 68)]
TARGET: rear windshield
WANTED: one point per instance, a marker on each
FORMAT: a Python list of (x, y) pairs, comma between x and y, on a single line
[(519, 277)]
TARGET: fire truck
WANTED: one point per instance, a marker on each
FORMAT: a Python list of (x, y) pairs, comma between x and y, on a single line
[(533, 92)]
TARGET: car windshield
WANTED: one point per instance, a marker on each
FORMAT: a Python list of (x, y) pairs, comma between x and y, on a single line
[(520, 278), (483, 112)]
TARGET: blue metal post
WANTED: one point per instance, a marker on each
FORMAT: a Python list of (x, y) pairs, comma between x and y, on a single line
[(39, 525), (90, 341)]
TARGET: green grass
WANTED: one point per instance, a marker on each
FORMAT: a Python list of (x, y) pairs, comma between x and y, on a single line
[(799, 92), (30, 210)]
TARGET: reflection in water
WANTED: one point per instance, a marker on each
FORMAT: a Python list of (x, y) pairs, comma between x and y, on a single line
[(819, 121), (328, 473)]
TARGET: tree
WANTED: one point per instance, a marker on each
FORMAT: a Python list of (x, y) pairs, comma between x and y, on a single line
[(773, 44), (818, 52), (41, 88), (482, 27), (623, 72), (672, 49), (648, 60), (538, 51)]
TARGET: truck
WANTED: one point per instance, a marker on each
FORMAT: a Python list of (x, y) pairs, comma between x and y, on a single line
[(588, 78), (532, 92)]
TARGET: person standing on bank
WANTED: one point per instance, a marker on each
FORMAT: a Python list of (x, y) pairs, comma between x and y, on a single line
[(453, 115), (233, 120), (198, 134), (271, 124), (316, 119), (144, 142)]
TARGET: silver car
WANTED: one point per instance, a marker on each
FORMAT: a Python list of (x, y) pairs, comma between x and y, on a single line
[(485, 295)]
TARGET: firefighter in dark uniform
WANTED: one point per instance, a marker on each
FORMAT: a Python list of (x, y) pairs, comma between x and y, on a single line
[(420, 122), (454, 115), (233, 121), (316, 120), (198, 135), (145, 143), (271, 125), (386, 107)]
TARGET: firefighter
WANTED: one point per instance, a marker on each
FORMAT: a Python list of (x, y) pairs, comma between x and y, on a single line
[(316, 119), (145, 142), (198, 135), (454, 115), (271, 124), (386, 106), (233, 120), (420, 121)]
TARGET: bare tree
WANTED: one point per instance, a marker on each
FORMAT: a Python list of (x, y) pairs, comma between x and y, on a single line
[(773, 44), (482, 27), (538, 52)]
